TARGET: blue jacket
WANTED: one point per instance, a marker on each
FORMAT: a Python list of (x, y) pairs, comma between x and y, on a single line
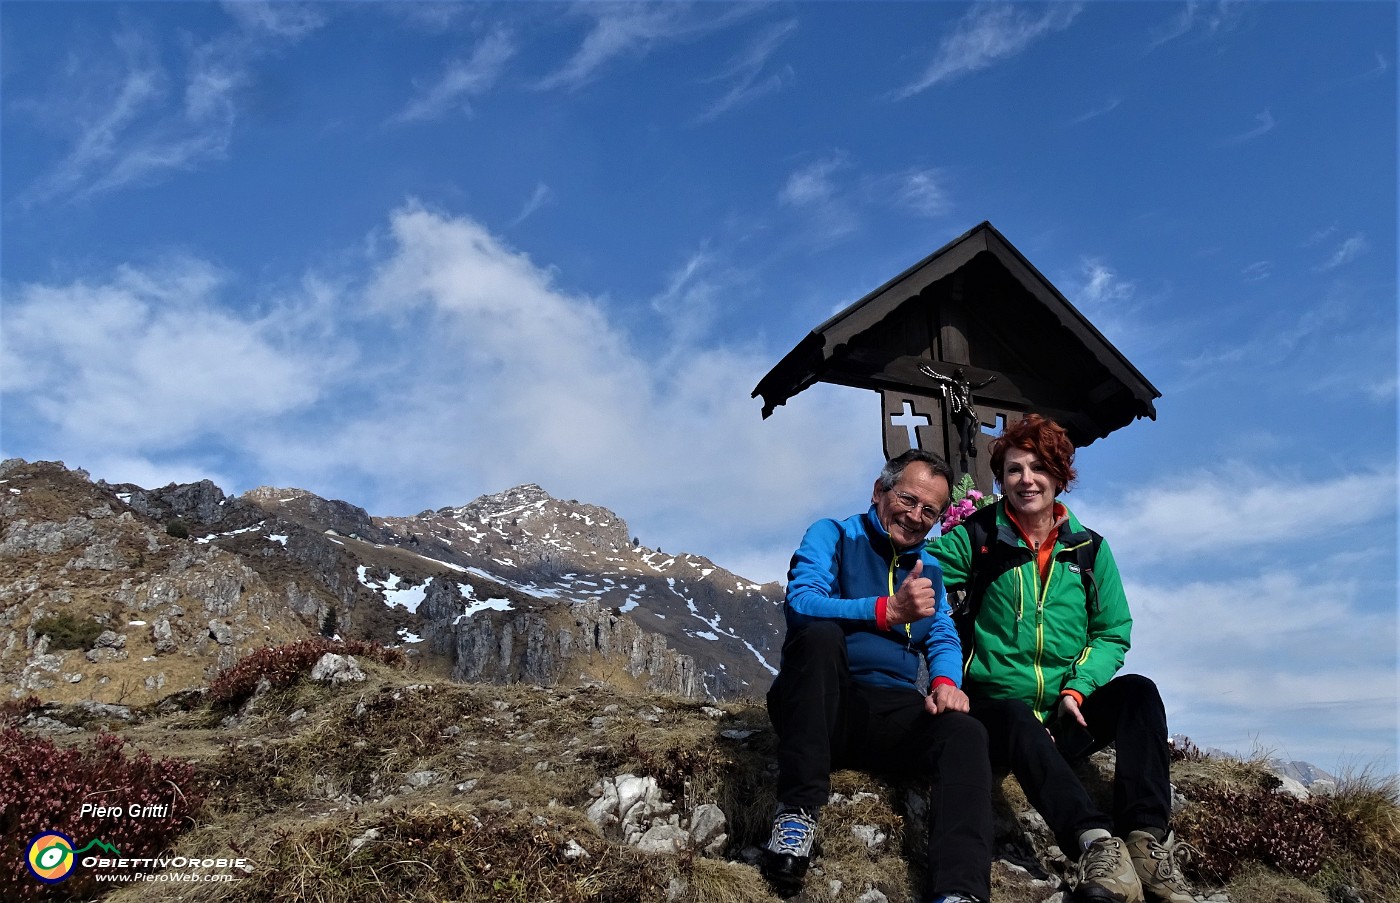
[(838, 573)]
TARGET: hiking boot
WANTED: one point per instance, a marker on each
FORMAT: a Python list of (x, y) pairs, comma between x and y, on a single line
[(955, 898), (1105, 874), (1155, 864), (789, 850)]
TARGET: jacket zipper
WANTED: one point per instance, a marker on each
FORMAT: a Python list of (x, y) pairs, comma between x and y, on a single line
[(894, 564)]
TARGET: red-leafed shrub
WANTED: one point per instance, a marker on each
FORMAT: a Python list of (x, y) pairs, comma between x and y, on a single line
[(43, 788), (1232, 827), (282, 665), (18, 708)]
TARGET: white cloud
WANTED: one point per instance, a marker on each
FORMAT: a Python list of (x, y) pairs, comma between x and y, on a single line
[(1257, 271), (1265, 125), (1100, 285), (812, 184), (744, 71), (150, 359), (1249, 508), (1210, 19), (988, 34), (280, 19), (133, 123), (1260, 656), (828, 210), (634, 29), (458, 367), (1348, 251), (921, 191), (1320, 235), (461, 81), (1103, 109), (538, 198), (492, 374)]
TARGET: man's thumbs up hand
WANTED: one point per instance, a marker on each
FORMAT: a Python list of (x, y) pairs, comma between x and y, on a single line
[(915, 598)]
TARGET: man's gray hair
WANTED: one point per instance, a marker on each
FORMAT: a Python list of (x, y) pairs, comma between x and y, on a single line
[(894, 467)]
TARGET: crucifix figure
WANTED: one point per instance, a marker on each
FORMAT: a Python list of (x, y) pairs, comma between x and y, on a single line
[(958, 391)]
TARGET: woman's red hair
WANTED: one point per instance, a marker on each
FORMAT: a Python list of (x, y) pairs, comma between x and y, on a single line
[(1046, 439)]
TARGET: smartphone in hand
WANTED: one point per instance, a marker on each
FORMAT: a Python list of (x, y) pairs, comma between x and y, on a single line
[(1071, 738)]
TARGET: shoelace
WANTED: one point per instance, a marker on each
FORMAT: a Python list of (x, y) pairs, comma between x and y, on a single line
[(1180, 848), (792, 834), (1100, 859)]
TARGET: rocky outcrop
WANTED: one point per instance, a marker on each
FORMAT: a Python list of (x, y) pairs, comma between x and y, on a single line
[(544, 648), (322, 514), (198, 503)]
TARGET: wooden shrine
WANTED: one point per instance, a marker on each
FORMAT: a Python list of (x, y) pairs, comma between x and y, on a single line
[(969, 339)]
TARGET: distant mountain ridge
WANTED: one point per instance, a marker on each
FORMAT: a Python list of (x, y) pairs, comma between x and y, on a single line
[(513, 586)]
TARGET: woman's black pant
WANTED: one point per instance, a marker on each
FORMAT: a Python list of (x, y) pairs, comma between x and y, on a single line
[(825, 721), (1127, 712)]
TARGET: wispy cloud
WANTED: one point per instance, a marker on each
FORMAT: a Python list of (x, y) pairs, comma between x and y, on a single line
[(1318, 236), (1258, 271), (1265, 123), (431, 17), (1165, 520), (828, 209), (152, 358), (134, 123), (1346, 252), (460, 81), (920, 191), (746, 74), (988, 34), (812, 184), (1100, 285), (279, 19), (1102, 109), (634, 29), (1208, 19), (450, 366), (1381, 67), (1235, 685), (833, 199), (538, 198)]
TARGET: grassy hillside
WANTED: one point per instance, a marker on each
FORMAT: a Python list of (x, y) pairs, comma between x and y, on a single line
[(397, 787)]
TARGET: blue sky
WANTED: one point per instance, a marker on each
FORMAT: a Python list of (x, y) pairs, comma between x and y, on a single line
[(407, 254)]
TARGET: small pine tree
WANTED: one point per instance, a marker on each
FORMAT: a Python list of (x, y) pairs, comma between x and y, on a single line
[(328, 624)]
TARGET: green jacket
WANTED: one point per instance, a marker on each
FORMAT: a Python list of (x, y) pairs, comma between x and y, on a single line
[(1029, 641)]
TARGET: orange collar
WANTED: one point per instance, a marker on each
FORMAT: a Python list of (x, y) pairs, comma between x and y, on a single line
[(1045, 552)]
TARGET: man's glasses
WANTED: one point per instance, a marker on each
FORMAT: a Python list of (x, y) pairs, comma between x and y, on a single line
[(911, 504)]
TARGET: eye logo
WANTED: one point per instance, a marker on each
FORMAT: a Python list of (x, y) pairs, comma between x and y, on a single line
[(50, 856)]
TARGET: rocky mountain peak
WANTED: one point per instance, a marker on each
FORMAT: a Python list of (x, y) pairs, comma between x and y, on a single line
[(274, 494), (513, 586)]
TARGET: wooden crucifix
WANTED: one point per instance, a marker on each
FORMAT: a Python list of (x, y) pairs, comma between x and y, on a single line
[(962, 344)]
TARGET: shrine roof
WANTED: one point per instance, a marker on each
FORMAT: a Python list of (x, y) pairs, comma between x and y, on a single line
[(1048, 356)]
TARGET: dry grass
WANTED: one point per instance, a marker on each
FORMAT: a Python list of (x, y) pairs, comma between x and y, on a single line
[(315, 786)]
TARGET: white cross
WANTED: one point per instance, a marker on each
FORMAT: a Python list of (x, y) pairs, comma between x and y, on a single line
[(911, 422)]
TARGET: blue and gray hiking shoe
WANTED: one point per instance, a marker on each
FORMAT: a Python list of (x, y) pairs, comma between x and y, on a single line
[(789, 849), (955, 898)]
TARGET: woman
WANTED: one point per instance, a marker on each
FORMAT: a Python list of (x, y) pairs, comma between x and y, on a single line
[(1044, 631)]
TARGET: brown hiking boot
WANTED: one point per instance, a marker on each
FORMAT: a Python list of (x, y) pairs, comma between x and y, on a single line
[(1105, 874), (1155, 864)]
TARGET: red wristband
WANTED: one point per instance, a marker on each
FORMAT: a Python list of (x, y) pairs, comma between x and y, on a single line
[(882, 606), (943, 682)]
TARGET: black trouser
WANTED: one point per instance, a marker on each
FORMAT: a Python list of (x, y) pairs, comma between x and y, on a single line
[(825, 720), (1127, 712)]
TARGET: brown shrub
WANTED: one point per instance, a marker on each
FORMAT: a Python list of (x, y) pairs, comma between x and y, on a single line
[(285, 664), (43, 788)]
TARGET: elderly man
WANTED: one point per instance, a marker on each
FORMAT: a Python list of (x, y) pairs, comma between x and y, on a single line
[(865, 610)]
